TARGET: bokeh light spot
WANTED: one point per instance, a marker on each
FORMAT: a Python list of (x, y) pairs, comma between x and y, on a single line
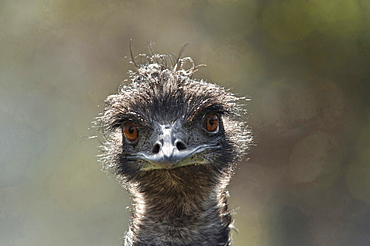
[(287, 21), (335, 17), (308, 158)]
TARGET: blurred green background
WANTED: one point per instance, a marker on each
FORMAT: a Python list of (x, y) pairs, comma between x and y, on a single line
[(304, 63)]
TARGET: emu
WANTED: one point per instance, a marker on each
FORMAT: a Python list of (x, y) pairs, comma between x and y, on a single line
[(173, 142)]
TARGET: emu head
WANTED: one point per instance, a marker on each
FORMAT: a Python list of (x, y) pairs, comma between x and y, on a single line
[(165, 120)]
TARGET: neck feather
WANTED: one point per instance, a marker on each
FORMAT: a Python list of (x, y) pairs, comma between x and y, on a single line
[(183, 206)]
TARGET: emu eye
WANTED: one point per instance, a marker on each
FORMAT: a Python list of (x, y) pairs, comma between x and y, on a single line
[(130, 131), (212, 122)]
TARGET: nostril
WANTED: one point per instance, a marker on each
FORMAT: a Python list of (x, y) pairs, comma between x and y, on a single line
[(180, 145), (156, 148)]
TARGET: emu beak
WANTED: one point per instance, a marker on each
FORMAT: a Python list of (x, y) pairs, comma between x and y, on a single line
[(170, 151)]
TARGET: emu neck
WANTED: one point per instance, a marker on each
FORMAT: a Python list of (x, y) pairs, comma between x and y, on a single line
[(172, 207)]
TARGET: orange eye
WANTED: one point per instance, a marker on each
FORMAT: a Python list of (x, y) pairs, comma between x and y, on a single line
[(212, 122), (130, 131)]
